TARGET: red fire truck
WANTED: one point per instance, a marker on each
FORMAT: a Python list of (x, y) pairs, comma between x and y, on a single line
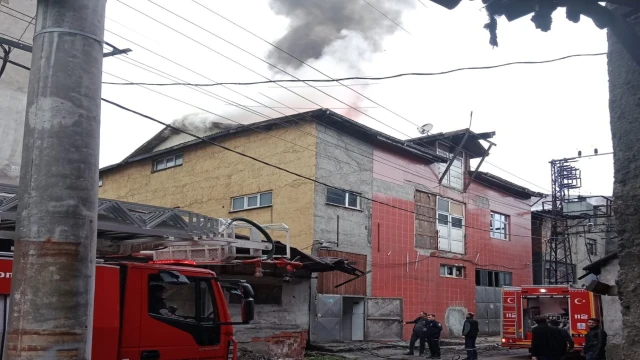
[(571, 306), (125, 325)]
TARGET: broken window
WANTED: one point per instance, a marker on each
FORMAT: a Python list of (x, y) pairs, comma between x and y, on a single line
[(450, 226), (252, 201), (167, 162), (493, 278), (498, 226), (425, 219)]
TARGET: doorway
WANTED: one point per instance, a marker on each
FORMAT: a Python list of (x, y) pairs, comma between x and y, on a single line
[(353, 318)]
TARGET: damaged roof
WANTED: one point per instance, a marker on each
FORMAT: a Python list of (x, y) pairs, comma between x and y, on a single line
[(504, 185), (472, 146), (323, 116)]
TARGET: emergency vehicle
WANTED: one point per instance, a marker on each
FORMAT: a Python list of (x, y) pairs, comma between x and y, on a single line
[(126, 327), (571, 306)]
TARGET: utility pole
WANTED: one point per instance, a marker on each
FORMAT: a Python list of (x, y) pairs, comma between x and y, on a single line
[(51, 304)]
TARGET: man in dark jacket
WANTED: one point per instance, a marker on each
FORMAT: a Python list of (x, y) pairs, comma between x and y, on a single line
[(434, 328), (567, 337), (419, 327), (547, 343), (595, 342), (470, 331)]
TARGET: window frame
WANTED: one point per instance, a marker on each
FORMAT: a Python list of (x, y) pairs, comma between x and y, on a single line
[(489, 278), (347, 195), (505, 223), (446, 267), (444, 150), (174, 157), (592, 246), (198, 324), (100, 181), (246, 201), (449, 223)]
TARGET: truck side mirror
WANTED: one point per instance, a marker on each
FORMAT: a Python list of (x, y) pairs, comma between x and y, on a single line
[(248, 305)]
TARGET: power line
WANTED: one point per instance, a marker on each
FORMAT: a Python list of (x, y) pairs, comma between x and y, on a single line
[(369, 77), (385, 15), (14, 10), (277, 167), (423, 4)]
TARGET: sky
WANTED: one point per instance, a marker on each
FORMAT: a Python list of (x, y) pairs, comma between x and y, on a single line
[(539, 112)]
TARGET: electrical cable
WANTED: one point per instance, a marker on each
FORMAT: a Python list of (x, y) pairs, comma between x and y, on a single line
[(13, 16), (315, 69), (488, 67), (335, 144), (256, 57), (5, 59), (385, 15), (263, 162), (14, 10)]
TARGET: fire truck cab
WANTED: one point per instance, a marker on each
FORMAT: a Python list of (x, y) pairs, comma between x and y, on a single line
[(194, 322), (571, 306)]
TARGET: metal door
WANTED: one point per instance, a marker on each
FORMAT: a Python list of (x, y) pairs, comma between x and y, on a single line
[(328, 319), (489, 309), (384, 319)]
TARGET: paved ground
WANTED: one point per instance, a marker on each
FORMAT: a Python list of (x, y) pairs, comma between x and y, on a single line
[(447, 354)]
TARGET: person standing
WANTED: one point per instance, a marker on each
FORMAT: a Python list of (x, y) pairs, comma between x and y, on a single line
[(547, 343), (596, 341), (434, 329), (419, 332), (567, 337), (470, 331)]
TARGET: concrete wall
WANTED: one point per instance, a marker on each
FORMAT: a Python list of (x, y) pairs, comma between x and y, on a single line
[(612, 312), (336, 166), (541, 230), (279, 331), (13, 91), (211, 176)]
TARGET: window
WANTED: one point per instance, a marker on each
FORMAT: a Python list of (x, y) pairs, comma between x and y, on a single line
[(452, 271), (100, 181), (167, 162), (264, 294), (492, 278), (188, 307), (498, 226), (455, 175), (450, 226), (252, 201), (343, 198), (592, 246)]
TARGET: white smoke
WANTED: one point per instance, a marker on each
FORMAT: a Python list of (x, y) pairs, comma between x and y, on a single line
[(202, 124)]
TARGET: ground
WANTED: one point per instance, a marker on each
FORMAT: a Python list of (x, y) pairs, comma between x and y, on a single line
[(449, 353)]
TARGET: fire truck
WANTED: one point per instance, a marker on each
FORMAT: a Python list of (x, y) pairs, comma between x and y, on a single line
[(571, 306)]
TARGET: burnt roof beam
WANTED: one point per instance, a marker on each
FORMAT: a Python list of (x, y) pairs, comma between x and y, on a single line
[(454, 157), (486, 153)]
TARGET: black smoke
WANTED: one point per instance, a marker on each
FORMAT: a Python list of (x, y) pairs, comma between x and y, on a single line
[(317, 24)]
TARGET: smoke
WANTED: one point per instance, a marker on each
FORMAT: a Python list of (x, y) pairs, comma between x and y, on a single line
[(202, 124), (317, 24)]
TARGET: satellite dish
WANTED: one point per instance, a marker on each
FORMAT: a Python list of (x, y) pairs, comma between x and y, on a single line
[(424, 129)]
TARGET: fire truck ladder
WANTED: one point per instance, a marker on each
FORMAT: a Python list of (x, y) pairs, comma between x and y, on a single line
[(126, 228)]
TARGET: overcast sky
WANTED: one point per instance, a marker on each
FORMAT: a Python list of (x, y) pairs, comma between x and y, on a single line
[(539, 112)]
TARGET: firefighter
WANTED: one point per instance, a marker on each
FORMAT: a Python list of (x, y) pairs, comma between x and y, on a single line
[(555, 323), (158, 306), (547, 342), (434, 329), (595, 342), (470, 331), (419, 327)]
